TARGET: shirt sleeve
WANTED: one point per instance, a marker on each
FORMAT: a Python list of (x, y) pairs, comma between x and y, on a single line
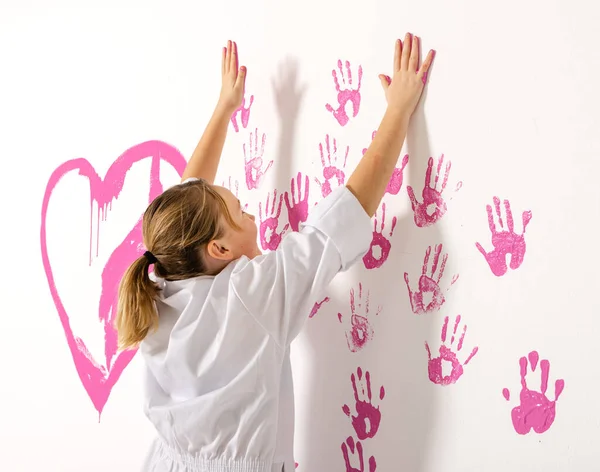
[(279, 288)]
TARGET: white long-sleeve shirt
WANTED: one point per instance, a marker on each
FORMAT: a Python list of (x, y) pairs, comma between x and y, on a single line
[(219, 380)]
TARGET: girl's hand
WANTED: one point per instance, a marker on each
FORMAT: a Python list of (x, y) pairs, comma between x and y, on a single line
[(404, 90), (233, 78)]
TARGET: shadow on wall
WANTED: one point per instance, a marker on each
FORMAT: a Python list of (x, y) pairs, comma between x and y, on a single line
[(395, 357), (412, 405), (288, 94)]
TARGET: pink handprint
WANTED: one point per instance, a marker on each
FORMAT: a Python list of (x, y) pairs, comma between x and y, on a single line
[(433, 206), (360, 331), (330, 169), (448, 355), (235, 188), (245, 114), (348, 94), (380, 245), (253, 162), (395, 183), (367, 419), (505, 241), (317, 306), (535, 411), (359, 450), (429, 284), (298, 208), (269, 237)]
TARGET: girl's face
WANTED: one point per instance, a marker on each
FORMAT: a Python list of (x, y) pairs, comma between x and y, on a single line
[(240, 242)]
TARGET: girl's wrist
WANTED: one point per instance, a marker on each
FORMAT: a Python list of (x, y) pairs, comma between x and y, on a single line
[(224, 107)]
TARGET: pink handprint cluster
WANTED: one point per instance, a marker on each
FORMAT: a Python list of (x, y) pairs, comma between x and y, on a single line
[(428, 296), (365, 421), (535, 408), (448, 363), (272, 228), (535, 411), (429, 290), (296, 202), (255, 167)]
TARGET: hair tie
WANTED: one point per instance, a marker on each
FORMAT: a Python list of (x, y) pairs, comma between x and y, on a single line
[(151, 259)]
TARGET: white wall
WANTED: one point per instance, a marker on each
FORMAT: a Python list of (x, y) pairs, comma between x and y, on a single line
[(512, 103)]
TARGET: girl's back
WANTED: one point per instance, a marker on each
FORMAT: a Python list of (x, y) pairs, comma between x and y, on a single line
[(219, 385)]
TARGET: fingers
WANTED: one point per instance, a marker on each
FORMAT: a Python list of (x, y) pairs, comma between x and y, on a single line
[(510, 224), (223, 59), (286, 198), (413, 199), (227, 58), (241, 78), (408, 53), (397, 56), (426, 261), (413, 62), (428, 350), (230, 58), (424, 70), (498, 211), (230, 65), (385, 82), (526, 219), (406, 48), (406, 280), (233, 58), (490, 215)]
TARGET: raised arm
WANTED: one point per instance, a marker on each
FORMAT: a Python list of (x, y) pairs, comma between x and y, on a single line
[(370, 178), (205, 160), (279, 288)]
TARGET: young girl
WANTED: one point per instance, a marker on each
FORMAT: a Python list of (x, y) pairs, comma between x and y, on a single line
[(215, 322)]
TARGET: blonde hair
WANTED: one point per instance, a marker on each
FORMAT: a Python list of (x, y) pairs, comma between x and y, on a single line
[(176, 227)]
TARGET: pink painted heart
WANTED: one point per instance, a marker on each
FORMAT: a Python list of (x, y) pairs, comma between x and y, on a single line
[(98, 378)]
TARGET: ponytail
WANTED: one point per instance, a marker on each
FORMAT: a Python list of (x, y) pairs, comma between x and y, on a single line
[(136, 312), (177, 225)]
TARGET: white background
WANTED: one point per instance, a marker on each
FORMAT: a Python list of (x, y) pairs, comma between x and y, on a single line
[(512, 102)]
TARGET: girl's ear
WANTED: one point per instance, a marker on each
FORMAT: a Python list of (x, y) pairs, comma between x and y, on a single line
[(217, 249)]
